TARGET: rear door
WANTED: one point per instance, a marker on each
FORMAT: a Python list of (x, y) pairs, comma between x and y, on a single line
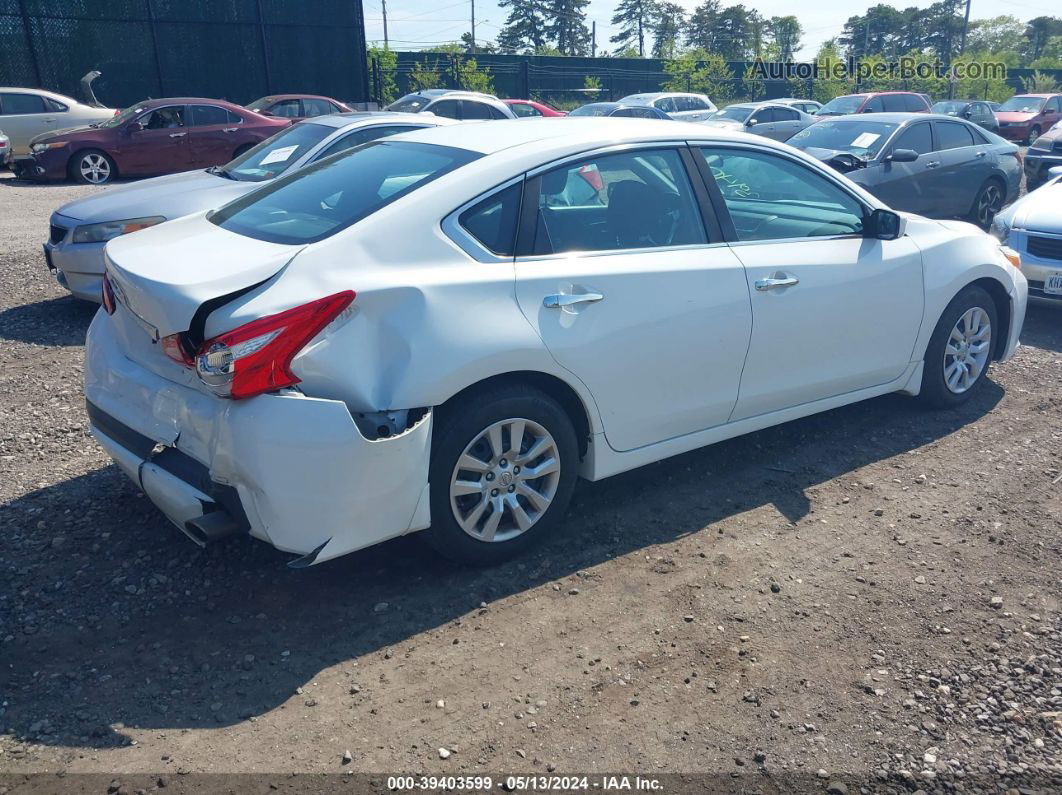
[(964, 167), (833, 311), (764, 125), (632, 294), (787, 123), (907, 186), (212, 135)]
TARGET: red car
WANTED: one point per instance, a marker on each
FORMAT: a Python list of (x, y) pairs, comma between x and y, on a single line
[(1025, 117), (297, 106), (159, 136), (527, 108), (875, 102)]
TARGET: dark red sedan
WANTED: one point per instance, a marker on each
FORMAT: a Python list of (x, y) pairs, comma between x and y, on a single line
[(159, 136), (297, 106)]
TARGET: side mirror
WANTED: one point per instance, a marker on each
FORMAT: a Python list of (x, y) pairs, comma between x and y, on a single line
[(752, 122), (885, 225), (135, 126), (902, 156)]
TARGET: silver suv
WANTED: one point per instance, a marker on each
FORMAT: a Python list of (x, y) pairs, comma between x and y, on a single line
[(453, 104), (677, 105)]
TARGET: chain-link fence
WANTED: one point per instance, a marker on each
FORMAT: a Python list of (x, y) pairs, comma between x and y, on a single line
[(230, 49)]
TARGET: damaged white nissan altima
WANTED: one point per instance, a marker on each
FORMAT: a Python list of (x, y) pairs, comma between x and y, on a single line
[(442, 330)]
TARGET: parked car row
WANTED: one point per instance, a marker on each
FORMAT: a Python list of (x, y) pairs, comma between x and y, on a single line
[(442, 330)]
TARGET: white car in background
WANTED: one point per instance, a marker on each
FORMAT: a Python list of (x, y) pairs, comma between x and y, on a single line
[(678, 105), (79, 231), (442, 330), (28, 112)]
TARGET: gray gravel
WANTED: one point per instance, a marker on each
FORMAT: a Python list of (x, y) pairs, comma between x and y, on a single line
[(865, 598)]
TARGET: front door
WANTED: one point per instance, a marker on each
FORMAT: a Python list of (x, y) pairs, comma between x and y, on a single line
[(906, 186), (158, 146), (628, 294), (833, 311)]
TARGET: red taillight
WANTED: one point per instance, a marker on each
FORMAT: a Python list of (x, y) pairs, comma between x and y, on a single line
[(256, 357), (108, 296), (173, 346)]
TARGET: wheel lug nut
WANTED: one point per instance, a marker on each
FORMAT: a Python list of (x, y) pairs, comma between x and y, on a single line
[(503, 463), (490, 476), (493, 492), (512, 489), (516, 470)]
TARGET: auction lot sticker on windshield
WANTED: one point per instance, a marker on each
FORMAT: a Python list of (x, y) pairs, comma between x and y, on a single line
[(283, 153), (865, 140)]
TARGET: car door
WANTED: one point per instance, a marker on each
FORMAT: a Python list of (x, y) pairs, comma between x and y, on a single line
[(833, 311), (964, 167), (786, 123), (155, 142), (666, 105), (24, 116), (212, 136), (696, 108), (762, 122), (616, 272), (906, 186)]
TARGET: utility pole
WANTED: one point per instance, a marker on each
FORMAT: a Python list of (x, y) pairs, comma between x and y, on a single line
[(383, 5), (593, 39), (473, 27)]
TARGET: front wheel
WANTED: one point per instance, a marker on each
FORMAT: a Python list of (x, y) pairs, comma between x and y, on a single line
[(1034, 133), (92, 167), (503, 468), (960, 350)]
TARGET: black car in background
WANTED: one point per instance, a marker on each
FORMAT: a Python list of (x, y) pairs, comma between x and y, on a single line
[(974, 110)]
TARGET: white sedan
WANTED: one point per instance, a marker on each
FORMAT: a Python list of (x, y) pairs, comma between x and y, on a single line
[(442, 330)]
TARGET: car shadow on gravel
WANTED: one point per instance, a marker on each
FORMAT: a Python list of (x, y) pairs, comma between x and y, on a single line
[(56, 321), (1043, 327), (110, 618)]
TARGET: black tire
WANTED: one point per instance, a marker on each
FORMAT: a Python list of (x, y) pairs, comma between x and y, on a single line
[(76, 167), (1034, 133), (458, 428), (988, 201), (935, 390)]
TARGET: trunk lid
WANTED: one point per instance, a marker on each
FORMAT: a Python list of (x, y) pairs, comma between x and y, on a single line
[(163, 274)]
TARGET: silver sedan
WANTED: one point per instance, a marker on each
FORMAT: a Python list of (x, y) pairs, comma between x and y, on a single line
[(769, 119), (80, 230)]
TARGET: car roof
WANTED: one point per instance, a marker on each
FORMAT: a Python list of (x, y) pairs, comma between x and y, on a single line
[(41, 92), (295, 96), (896, 117), (577, 132), (340, 120), (154, 103)]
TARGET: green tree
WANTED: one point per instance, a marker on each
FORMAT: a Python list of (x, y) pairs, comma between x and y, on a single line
[(386, 67), (670, 20), (472, 77), (753, 85), (998, 34), (1038, 34), (785, 32), (1039, 83), (568, 26), (703, 72), (828, 56), (701, 30), (634, 18), (1052, 55), (738, 33), (423, 75), (525, 27)]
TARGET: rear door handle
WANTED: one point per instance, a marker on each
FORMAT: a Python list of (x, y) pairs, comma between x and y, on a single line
[(230, 129), (569, 299), (982, 154), (178, 135), (770, 284), (933, 164)]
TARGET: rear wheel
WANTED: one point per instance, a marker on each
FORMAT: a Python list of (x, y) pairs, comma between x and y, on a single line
[(503, 469), (960, 350), (92, 167), (988, 202)]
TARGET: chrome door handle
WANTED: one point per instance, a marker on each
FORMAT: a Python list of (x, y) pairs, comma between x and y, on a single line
[(568, 299), (770, 284), (178, 135), (982, 154), (933, 164), (230, 129)]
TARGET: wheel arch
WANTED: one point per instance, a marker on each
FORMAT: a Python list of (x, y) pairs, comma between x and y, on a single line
[(1004, 310), (558, 389)]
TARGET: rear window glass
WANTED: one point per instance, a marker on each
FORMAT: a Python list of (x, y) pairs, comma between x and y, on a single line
[(316, 202), (493, 221)]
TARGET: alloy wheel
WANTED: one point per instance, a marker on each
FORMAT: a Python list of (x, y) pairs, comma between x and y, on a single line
[(967, 350), (505, 480), (95, 168), (988, 204)]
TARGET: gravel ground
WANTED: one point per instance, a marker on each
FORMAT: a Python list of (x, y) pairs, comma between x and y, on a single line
[(870, 595)]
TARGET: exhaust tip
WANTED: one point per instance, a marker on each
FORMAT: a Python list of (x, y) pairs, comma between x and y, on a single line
[(211, 527)]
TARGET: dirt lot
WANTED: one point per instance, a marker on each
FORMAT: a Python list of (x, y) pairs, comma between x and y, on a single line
[(811, 603)]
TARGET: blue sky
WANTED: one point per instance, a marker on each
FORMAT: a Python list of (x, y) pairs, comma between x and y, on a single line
[(416, 24)]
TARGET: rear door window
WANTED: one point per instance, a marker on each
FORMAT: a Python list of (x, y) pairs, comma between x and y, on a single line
[(316, 107), (447, 108), (316, 202), (521, 109), (952, 135), (19, 104), (894, 103), (287, 109), (696, 103), (665, 104), (913, 104), (874, 105), (470, 109), (204, 115), (785, 114), (493, 221)]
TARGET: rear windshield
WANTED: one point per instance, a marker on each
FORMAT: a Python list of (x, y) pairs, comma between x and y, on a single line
[(316, 202), (410, 103), (275, 155), (594, 109)]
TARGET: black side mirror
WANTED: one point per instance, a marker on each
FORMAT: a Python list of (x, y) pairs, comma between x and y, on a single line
[(902, 156), (884, 225), (135, 126)]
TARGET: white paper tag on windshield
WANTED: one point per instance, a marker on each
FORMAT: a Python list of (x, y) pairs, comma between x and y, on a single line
[(865, 141), (284, 152)]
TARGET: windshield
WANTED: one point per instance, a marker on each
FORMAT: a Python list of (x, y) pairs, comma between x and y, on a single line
[(593, 109), (842, 105), (1023, 104), (733, 113), (410, 103), (123, 117), (275, 155), (316, 202), (950, 107), (863, 138)]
